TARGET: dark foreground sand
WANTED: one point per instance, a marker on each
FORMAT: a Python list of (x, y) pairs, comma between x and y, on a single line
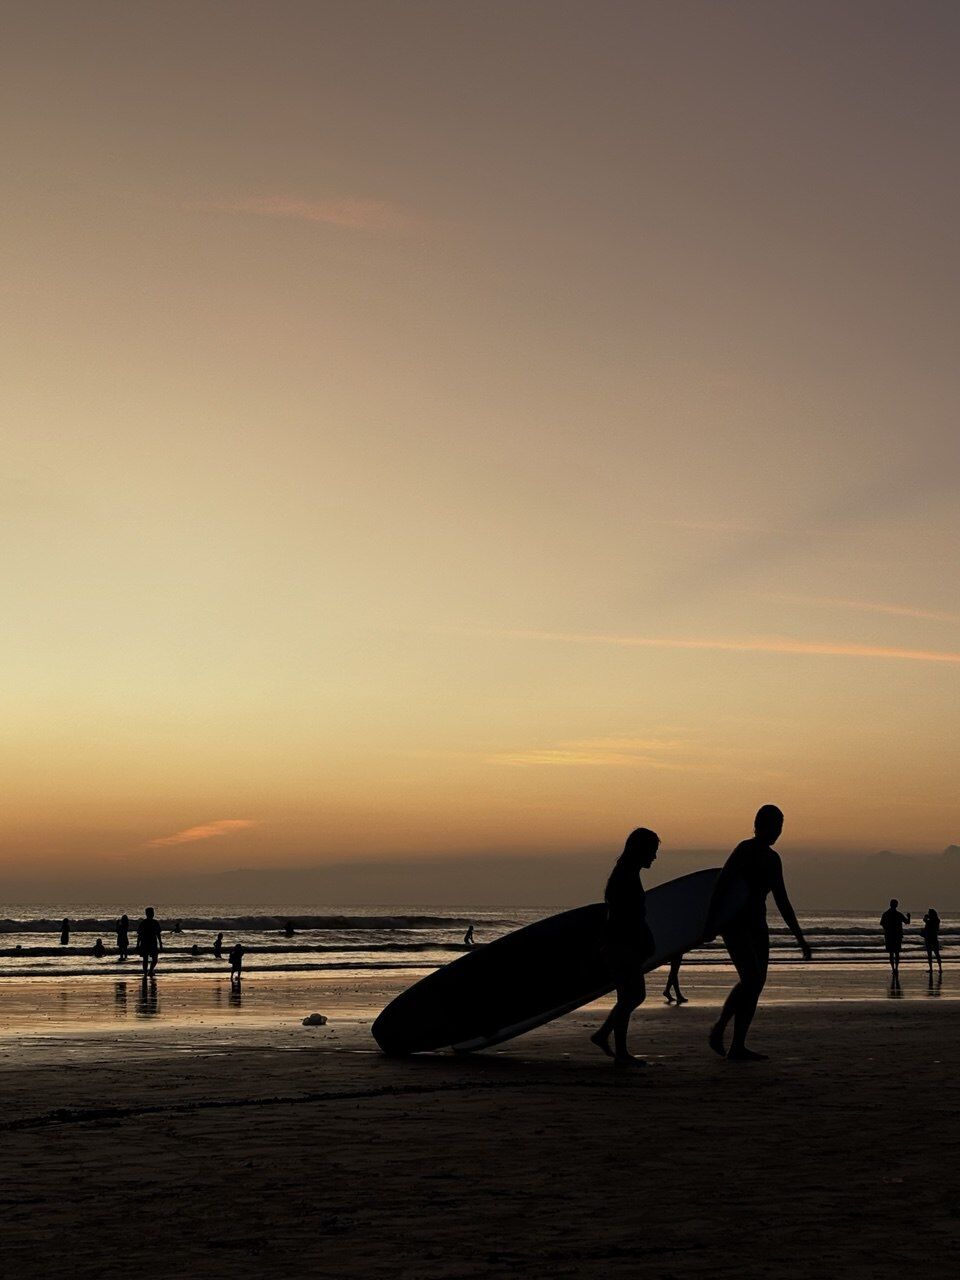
[(264, 1148)]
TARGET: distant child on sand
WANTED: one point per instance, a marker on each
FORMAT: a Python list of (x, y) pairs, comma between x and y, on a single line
[(892, 922), (672, 990), (235, 956)]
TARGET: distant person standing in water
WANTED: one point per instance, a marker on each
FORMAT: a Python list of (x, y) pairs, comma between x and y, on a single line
[(931, 939), (123, 937), (755, 864), (64, 932), (892, 922), (468, 938), (99, 950), (218, 947), (235, 956), (149, 941), (628, 941), (671, 991)]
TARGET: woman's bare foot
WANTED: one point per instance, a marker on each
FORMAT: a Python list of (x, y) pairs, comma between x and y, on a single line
[(715, 1040), (746, 1055), (602, 1042)]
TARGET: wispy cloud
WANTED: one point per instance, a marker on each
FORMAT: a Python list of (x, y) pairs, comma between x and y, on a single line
[(350, 213), (759, 644), (633, 752), (206, 831), (864, 606)]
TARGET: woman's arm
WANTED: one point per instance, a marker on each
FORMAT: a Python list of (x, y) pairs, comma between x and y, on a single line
[(785, 907)]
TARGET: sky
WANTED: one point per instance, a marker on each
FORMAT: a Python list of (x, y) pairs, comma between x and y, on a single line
[(443, 429)]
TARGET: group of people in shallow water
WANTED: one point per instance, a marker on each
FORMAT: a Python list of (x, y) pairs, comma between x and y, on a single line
[(738, 914), (149, 943)]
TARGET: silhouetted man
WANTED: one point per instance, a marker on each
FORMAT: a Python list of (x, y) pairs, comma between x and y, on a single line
[(892, 922), (757, 866), (628, 941), (149, 941), (468, 937)]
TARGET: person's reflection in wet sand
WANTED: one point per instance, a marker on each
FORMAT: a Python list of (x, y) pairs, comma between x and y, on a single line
[(895, 991), (120, 999), (236, 993), (148, 1006), (934, 983), (218, 994)]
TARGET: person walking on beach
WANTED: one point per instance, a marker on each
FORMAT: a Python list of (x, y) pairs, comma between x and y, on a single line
[(627, 941), (149, 941), (671, 992), (64, 932), (755, 864), (931, 939), (235, 956), (123, 938), (218, 947), (468, 938), (892, 922)]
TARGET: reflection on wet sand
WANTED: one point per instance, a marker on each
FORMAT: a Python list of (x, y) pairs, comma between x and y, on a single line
[(120, 999), (895, 991), (934, 982), (148, 1006)]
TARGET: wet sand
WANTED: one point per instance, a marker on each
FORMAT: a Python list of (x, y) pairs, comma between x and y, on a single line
[(216, 1143)]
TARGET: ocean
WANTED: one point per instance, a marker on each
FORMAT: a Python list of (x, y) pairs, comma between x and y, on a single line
[(366, 937)]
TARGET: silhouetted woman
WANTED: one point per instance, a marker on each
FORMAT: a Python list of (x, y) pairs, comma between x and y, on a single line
[(757, 866), (65, 932), (123, 937), (218, 946), (628, 941), (672, 990), (931, 938)]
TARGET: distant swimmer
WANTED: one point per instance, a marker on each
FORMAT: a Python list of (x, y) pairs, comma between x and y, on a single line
[(194, 950), (755, 864), (218, 946), (468, 937), (99, 950), (64, 932), (892, 922), (931, 939), (672, 993), (178, 927), (123, 937), (149, 941), (288, 929), (628, 941), (235, 956)]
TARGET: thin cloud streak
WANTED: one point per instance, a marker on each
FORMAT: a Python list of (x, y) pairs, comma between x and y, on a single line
[(864, 606), (773, 644), (206, 831), (350, 213)]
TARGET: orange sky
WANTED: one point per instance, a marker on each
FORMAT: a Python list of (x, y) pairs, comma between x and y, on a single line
[(462, 428)]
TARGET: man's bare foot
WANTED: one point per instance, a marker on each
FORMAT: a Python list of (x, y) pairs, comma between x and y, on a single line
[(715, 1040), (746, 1055), (629, 1060), (668, 997), (602, 1042), (682, 1000)]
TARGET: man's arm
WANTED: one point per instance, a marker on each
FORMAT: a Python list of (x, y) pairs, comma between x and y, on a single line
[(785, 907), (724, 880)]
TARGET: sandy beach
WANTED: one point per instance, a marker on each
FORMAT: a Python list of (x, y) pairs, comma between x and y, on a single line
[(208, 1142)]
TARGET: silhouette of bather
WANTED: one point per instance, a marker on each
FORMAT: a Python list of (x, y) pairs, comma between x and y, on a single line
[(892, 922), (99, 950), (931, 939), (628, 941), (218, 946), (149, 941), (468, 937), (123, 937), (757, 865), (64, 932)]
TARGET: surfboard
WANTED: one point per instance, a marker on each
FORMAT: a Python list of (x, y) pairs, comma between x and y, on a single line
[(539, 972)]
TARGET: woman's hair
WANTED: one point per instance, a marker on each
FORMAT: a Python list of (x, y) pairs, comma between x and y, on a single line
[(640, 841)]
